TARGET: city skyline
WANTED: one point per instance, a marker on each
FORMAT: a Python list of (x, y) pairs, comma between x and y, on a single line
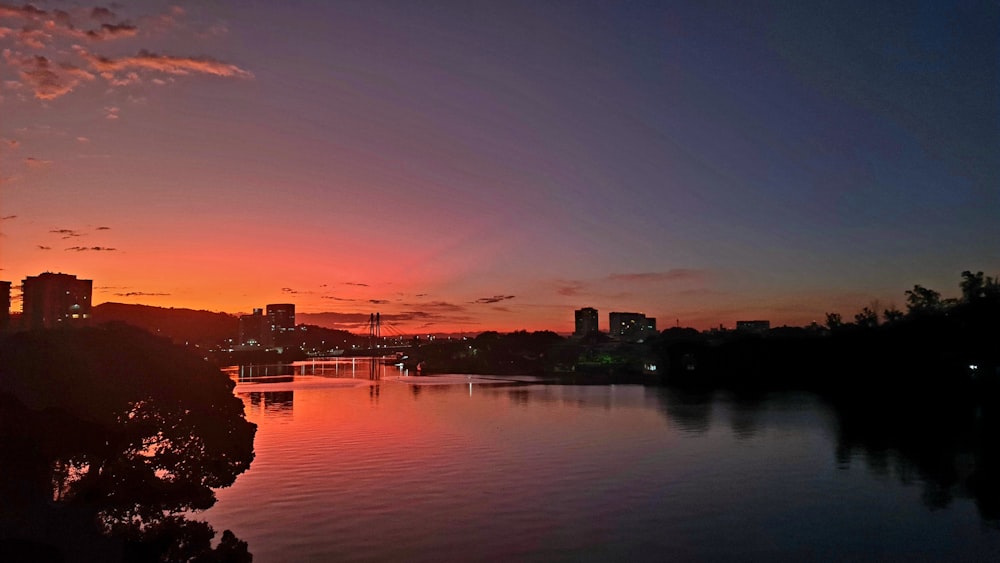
[(467, 167), (58, 299)]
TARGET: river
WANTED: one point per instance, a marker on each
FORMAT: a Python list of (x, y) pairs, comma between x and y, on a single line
[(455, 467)]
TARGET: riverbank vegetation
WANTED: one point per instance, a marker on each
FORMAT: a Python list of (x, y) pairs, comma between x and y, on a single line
[(937, 348), (110, 437)]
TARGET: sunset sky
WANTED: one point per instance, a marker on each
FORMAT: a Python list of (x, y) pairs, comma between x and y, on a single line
[(464, 166)]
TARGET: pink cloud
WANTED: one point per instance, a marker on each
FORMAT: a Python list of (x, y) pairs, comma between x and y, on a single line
[(48, 80), (146, 60), (112, 31), (39, 27), (33, 162)]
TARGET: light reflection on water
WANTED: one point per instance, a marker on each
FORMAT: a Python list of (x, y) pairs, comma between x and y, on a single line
[(467, 468)]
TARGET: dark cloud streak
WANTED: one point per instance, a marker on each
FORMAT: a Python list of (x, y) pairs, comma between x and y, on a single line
[(66, 233), (494, 299), (92, 249), (680, 274)]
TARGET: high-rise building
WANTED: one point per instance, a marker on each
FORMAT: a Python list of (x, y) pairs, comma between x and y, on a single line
[(55, 300), (280, 319), (4, 305), (630, 326), (586, 321), (254, 331)]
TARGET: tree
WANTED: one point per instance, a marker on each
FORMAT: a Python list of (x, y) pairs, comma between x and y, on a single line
[(121, 429), (973, 286), (834, 321), (922, 301), (892, 314), (866, 318), (977, 288)]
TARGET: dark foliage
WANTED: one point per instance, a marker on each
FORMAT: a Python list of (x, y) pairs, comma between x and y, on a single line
[(109, 435), (942, 348), (518, 352), (205, 328), (916, 396)]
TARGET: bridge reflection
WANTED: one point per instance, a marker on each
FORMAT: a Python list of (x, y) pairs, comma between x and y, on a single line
[(354, 367), (279, 402)]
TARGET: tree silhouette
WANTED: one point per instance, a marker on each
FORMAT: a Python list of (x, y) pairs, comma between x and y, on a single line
[(866, 318), (978, 287), (892, 315), (922, 301), (125, 432), (834, 321)]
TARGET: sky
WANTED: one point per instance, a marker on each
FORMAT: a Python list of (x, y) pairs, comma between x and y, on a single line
[(467, 166)]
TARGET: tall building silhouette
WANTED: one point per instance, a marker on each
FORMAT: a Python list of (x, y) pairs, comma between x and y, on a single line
[(254, 331), (631, 327), (4, 305), (55, 300), (280, 319), (586, 321)]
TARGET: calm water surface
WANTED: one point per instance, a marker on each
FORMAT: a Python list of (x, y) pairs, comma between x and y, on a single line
[(489, 469)]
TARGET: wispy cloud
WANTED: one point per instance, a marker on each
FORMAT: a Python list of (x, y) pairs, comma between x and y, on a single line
[(680, 274), (438, 307), (140, 294), (8, 217), (341, 321), (92, 249), (217, 29), (356, 284), (103, 228), (66, 233), (37, 28), (51, 50), (102, 14), (416, 315), (33, 162), (570, 288), (112, 31), (292, 291), (147, 60), (12, 143), (43, 247), (161, 23), (48, 80), (494, 299)]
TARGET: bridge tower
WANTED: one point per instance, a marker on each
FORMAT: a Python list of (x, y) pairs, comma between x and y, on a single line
[(374, 337)]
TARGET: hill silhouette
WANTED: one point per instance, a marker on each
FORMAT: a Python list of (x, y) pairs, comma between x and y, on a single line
[(205, 328)]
